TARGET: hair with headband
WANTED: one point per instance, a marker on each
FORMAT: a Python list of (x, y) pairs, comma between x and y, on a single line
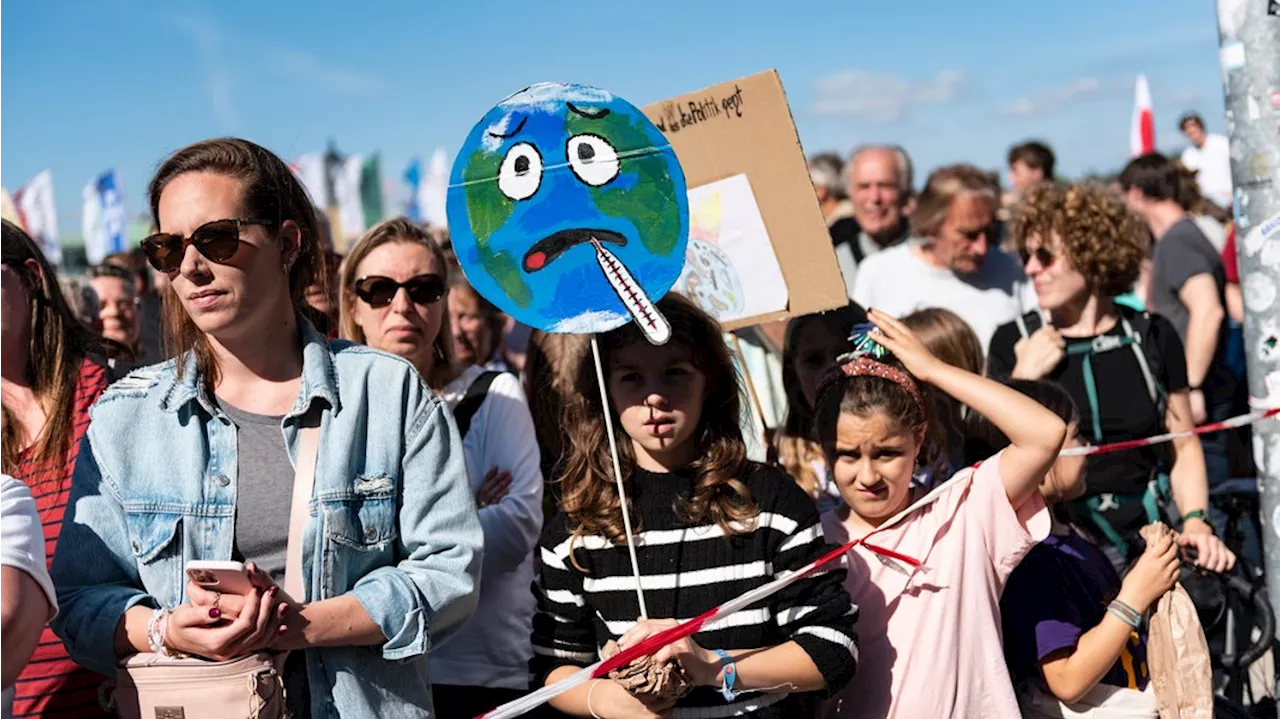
[(870, 380)]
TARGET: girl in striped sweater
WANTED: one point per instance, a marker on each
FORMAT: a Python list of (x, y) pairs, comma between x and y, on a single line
[(709, 525)]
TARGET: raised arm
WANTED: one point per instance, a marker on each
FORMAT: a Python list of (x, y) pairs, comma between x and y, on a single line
[(1035, 433)]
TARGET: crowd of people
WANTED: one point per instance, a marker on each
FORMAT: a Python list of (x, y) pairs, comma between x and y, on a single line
[(464, 542)]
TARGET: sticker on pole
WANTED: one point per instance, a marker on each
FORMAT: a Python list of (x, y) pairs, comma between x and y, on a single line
[(568, 210)]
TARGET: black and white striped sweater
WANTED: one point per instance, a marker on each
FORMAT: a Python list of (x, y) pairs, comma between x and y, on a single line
[(686, 570)]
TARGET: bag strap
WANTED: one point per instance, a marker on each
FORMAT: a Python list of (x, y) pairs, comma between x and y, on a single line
[(303, 480), (471, 401)]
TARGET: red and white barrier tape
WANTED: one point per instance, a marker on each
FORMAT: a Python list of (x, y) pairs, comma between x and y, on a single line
[(692, 626), (1232, 423)]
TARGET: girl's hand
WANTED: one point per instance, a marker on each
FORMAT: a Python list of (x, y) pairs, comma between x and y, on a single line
[(608, 700), (1038, 354), (1152, 575), (702, 665), (496, 484), (903, 343), (203, 632), (1211, 553)]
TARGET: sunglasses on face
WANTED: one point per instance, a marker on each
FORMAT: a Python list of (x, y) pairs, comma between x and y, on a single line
[(972, 235), (378, 291), (217, 241), (1043, 255)]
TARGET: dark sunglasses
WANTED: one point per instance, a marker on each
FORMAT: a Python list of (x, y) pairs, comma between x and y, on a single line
[(1043, 255), (972, 235), (217, 241), (378, 291)]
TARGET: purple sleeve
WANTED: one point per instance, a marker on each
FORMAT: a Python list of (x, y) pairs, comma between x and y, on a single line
[(1040, 616)]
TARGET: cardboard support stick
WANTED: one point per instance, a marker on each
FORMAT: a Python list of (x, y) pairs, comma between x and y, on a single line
[(751, 390)]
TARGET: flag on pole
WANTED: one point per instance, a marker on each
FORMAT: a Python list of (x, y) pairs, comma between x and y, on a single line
[(371, 190), (1142, 130), (357, 189), (413, 178), (104, 221), (310, 171), (435, 189), (39, 215)]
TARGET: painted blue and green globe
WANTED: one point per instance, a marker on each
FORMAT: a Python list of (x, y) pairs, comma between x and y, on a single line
[(568, 209)]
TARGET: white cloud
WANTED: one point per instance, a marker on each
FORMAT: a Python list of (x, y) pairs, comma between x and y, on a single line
[(1056, 99), (312, 69), (881, 98)]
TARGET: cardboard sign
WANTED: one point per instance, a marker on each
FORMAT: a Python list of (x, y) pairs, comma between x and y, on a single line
[(744, 127)]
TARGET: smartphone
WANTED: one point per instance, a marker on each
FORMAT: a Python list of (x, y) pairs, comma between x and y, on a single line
[(226, 577)]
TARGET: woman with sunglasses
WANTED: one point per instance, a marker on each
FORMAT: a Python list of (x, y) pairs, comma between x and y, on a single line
[(52, 369), (394, 284), (193, 459), (1124, 369)]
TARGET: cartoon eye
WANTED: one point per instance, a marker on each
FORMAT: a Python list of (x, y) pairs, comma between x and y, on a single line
[(521, 172), (593, 159)]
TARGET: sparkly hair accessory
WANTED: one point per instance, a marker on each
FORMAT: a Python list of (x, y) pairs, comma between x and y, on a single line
[(862, 337), (865, 361)]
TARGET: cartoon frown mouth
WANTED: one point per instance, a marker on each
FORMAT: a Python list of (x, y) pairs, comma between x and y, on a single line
[(547, 249)]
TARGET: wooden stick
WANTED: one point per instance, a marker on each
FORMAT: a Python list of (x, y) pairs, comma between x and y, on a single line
[(617, 474)]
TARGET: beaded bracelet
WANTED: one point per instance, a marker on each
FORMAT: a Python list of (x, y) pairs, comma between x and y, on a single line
[(1125, 613)]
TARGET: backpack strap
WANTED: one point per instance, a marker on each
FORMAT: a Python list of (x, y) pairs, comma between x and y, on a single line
[(471, 401), (1153, 389)]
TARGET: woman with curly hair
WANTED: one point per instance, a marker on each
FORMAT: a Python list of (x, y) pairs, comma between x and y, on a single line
[(1124, 369)]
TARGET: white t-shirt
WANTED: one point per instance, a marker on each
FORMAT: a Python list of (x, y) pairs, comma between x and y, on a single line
[(493, 649), (899, 282), (1213, 168), (22, 547)]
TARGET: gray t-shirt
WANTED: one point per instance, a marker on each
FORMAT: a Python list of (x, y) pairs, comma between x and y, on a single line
[(264, 490), (1182, 253)]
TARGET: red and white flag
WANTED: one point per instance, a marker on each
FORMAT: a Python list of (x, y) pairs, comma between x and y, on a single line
[(1142, 130)]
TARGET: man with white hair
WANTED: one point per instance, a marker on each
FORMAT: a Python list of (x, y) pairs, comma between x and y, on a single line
[(879, 181)]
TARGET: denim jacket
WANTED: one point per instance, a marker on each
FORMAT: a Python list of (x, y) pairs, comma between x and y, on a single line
[(393, 521)]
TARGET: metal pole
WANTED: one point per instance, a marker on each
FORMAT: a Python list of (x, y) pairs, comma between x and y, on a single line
[(1249, 35)]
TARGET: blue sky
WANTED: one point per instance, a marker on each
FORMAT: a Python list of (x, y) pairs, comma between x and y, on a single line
[(88, 86)]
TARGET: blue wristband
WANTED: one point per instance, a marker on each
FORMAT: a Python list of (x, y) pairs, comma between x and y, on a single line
[(730, 674)]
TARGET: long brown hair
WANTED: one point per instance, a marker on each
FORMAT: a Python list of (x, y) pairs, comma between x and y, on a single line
[(269, 192), (589, 494), (58, 345), (953, 341), (797, 445), (397, 230)]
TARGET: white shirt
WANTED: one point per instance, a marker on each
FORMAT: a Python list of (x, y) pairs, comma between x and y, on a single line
[(22, 547), (898, 282), (1213, 168), (493, 649)]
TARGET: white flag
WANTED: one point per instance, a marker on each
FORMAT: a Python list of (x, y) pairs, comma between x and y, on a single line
[(309, 169), (435, 189), (39, 214), (346, 191)]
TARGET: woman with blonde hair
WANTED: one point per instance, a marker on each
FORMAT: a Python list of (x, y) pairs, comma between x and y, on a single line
[(393, 288), (953, 341)]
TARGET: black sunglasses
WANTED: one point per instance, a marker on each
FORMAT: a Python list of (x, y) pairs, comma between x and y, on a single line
[(217, 241), (1043, 255), (378, 291)]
